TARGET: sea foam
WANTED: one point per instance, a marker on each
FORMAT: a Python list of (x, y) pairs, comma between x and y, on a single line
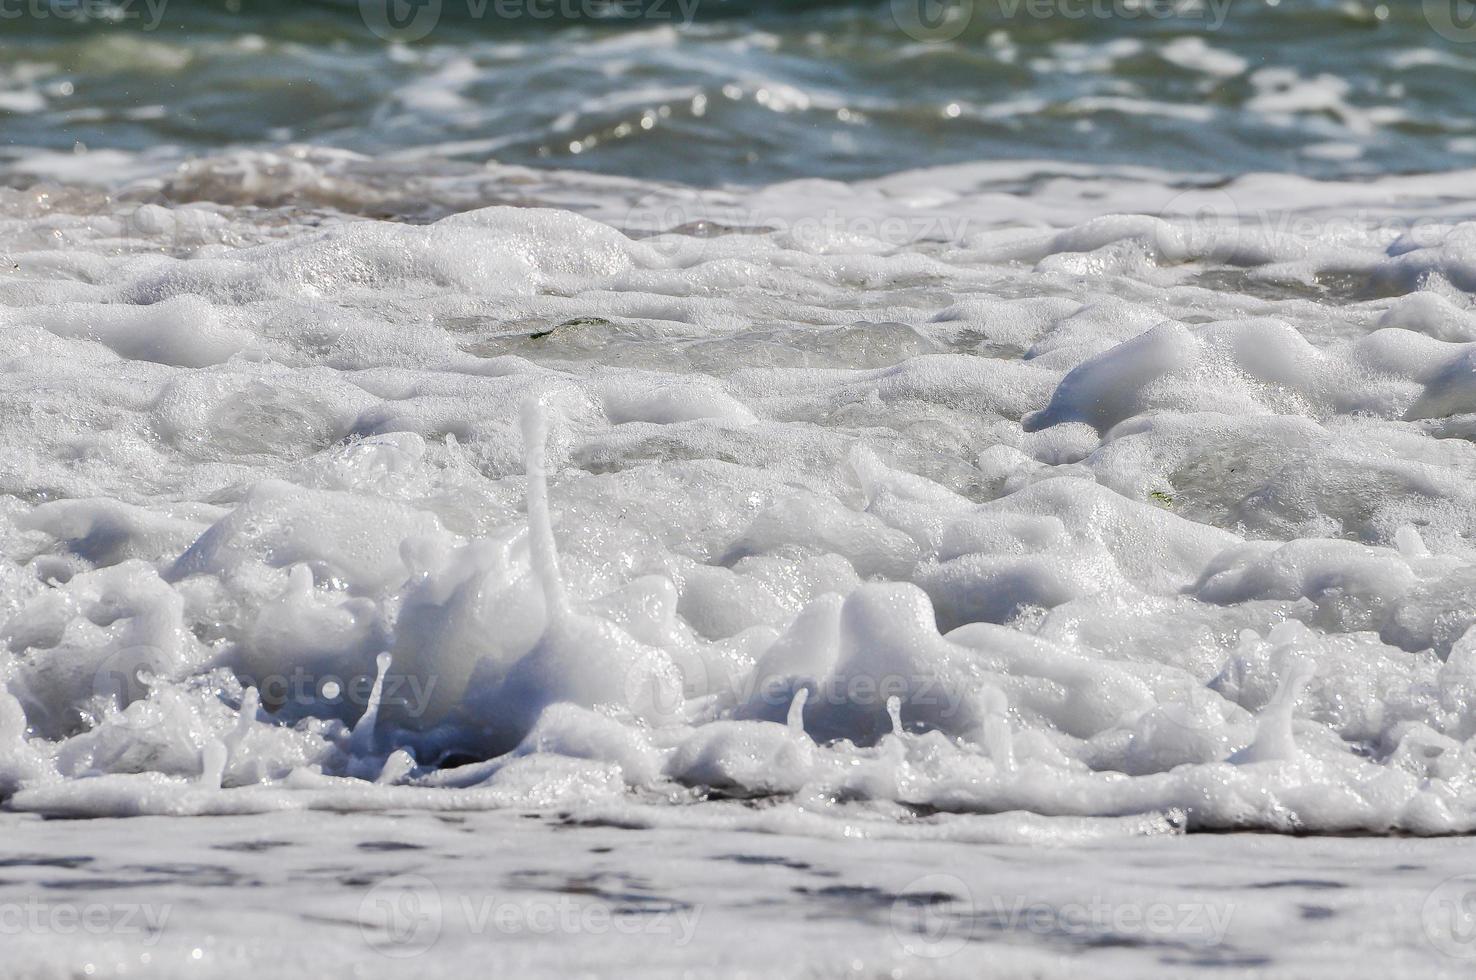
[(1054, 507)]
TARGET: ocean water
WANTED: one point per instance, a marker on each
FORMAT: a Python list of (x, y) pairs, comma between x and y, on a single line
[(707, 92), (942, 485)]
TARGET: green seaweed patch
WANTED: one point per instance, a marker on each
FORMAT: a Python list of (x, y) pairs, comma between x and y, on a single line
[(1162, 498)]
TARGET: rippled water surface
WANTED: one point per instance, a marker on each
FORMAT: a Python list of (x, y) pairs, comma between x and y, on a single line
[(708, 91)]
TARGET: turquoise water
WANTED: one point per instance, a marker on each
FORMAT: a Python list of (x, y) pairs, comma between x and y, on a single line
[(705, 92)]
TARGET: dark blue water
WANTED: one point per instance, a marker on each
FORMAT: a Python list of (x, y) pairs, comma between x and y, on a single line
[(707, 91)]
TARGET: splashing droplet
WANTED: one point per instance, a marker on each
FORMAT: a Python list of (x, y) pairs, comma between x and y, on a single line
[(361, 742), (796, 720)]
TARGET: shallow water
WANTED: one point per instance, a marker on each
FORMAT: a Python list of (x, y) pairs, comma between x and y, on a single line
[(576, 893)]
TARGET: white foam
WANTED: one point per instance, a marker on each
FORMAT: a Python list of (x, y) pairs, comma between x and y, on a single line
[(1044, 496)]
